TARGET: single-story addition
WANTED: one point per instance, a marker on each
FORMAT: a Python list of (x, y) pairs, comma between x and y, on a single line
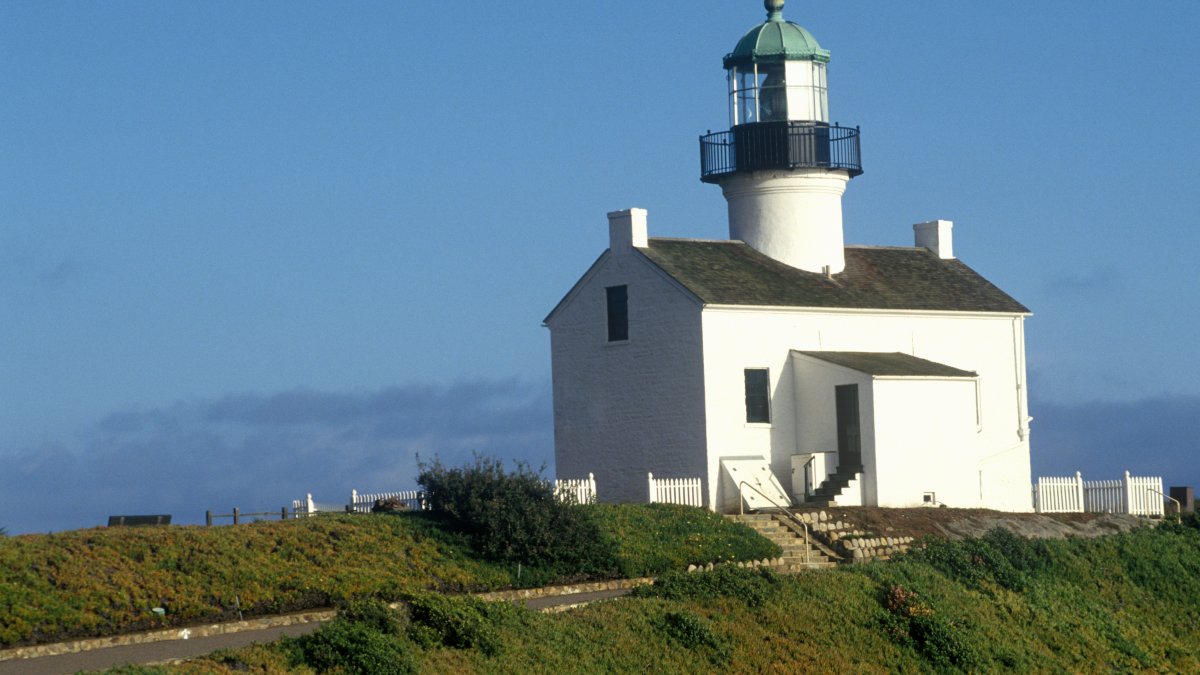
[(899, 381)]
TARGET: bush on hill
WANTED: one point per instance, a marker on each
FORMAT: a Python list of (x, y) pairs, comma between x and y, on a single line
[(516, 518)]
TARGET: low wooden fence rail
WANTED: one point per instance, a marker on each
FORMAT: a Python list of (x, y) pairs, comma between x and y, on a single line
[(238, 516)]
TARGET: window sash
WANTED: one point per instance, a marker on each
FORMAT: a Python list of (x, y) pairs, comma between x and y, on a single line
[(758, 396), (617, 298)]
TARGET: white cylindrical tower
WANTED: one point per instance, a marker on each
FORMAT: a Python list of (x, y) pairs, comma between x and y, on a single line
[(781, 166)]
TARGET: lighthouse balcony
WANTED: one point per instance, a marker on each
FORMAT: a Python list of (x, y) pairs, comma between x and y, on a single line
[(763, 146)]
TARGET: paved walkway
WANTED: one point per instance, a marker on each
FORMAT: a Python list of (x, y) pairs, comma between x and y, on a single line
[(173, 650)]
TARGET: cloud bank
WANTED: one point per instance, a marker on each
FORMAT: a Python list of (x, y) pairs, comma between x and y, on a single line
[(258, 452), (1156, 436)]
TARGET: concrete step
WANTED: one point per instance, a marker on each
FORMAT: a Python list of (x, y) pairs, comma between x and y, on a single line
[(789, 539), (813, 556), (802, 567)]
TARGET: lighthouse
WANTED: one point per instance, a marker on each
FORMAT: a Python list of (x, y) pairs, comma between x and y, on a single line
[(780, 366), (781, 165)]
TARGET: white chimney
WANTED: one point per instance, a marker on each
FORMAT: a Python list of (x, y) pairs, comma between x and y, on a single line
[(626, 230), (935, 236)]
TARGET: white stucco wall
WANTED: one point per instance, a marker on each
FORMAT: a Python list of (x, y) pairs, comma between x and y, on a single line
[(925, 441), (622, 410), (990, 345)]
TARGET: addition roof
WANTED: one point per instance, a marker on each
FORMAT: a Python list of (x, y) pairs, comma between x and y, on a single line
[(885, 364), (887, 278)]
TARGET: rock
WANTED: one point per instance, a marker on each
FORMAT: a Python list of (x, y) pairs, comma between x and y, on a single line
[(389, 505), (692, 568), (822, 516)]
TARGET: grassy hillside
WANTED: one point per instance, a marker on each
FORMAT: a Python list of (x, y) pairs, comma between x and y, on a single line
[(108, 580), (1127, 602)]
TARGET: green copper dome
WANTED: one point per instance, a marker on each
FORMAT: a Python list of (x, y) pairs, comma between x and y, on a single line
[(775, 40)]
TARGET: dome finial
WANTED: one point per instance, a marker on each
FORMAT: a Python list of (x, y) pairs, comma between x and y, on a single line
[(774, 9)]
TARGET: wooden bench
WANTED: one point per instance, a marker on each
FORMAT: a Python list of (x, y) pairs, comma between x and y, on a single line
[(134, 521)]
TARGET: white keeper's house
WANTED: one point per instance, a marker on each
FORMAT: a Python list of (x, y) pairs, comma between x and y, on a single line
[(782, 366)]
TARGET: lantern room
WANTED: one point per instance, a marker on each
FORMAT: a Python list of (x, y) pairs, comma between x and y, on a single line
[(777, 73)]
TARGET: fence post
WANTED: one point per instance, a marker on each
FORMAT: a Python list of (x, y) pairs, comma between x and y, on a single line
[(237, 513), (1128, 494), (208, 518), (283, 513), (1079, 486), (592, 497), (650, 477), (312, 506), (353, 500)]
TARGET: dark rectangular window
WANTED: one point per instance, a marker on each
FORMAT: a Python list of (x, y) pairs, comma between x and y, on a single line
[(758, 396), (618, 313)]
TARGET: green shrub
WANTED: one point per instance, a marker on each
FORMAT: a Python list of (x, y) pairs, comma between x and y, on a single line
[(914, 623), (1177, 523), (354, 648), (752, 586), (1000, 557), (365, 638), (695, 633), (461, 622), (516, 518), (377, 615)]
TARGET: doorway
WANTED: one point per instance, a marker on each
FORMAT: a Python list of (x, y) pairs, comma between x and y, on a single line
[(849, 438)]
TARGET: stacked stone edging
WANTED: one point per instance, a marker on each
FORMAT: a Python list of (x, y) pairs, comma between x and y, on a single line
[(567, 589), (862, 548), (852, 544)]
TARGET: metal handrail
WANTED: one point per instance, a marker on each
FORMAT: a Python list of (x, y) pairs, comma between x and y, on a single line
[(789, 514), (809, 480), (1178, 506)]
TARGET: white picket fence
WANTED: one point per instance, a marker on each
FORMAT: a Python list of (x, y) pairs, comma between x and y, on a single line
[(686, 491), (582, 489), (302, 508), (362, 502), (1136, 495)]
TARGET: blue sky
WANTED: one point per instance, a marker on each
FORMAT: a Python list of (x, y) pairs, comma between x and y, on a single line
[(250, 250)]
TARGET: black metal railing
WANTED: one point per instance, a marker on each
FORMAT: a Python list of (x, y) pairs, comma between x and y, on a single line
[(779, 145)]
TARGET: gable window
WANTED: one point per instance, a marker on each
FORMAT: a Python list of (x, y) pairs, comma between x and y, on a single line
[(618, 313), (758, 396)]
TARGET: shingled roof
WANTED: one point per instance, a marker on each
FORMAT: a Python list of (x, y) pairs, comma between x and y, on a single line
[(732, 273), (889, 364)]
